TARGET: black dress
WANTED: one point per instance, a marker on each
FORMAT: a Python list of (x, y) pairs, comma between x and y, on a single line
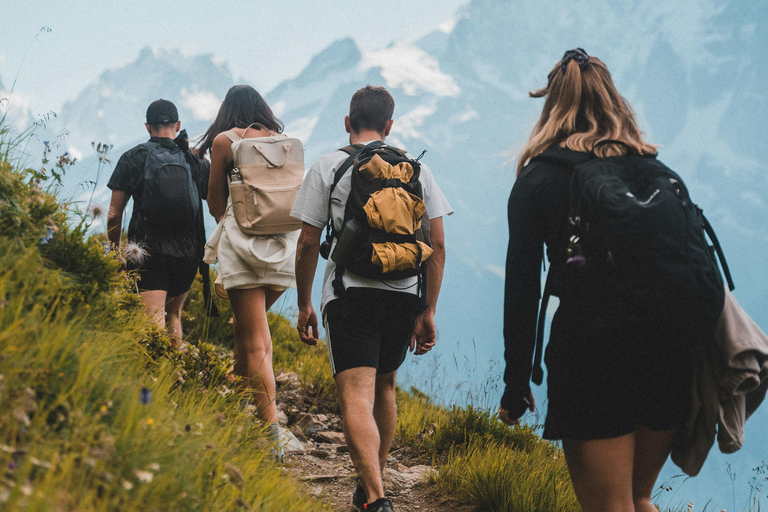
[(608, 369)]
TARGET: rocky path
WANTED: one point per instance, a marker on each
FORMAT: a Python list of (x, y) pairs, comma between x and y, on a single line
[(316, 454)]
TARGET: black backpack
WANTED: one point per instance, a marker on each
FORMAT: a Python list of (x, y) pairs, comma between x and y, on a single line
[(355, 236), (170, 200), (636, 236)]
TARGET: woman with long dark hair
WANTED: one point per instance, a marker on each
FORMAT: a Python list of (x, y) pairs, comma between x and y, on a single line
[(618, 379), (254, 271)]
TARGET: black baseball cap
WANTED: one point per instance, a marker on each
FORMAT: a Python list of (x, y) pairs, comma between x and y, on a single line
[(162, 112)]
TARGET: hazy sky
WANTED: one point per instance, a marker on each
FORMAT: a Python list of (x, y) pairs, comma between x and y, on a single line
[(263, 42)]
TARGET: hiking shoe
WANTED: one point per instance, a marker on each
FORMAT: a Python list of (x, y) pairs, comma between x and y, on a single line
[(358, 499), (380, 505)]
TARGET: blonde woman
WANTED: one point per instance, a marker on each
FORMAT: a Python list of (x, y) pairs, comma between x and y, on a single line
[(617, 379)]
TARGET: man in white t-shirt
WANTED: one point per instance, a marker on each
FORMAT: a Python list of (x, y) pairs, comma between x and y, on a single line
[(374, 322)]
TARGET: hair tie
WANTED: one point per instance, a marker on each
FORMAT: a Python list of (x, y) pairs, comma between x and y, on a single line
[(577, 54)]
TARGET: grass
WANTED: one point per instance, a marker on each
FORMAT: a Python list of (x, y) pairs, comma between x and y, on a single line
[(97, 411)]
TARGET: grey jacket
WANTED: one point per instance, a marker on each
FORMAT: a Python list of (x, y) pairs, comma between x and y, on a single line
[(730, 382)]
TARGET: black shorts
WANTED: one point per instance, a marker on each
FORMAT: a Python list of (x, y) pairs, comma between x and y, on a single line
[(369, 327), (169, 273)]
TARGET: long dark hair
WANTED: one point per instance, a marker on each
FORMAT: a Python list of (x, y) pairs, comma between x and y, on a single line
[(242, 106)]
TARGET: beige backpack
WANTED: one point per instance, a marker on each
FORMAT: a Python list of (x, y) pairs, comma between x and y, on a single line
[(265, 181)]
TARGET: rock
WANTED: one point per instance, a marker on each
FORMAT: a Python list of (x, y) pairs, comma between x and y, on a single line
[(311, 426), (320, 478), (282, 418), (330, 437), (342, 449), (290, 443), (299, 433), (287, 379), (406, 479), (320, 454)]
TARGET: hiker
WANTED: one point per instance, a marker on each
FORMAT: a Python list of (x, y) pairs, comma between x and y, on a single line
[(254, 270), (370, 322), (618, 358), (166, 234)]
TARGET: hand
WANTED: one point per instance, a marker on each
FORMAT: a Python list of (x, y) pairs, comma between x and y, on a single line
[(424, 333), (504, 414), (306, 324)]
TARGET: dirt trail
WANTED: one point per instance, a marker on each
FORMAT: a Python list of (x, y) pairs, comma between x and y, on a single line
[(316, 454)]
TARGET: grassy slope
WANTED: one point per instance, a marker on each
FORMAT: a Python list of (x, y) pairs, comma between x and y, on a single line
[(97, 412)]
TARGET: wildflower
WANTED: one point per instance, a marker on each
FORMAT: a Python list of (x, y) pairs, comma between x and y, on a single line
[(12, 465), (145, 396), (127, 485), (135, 252), (143, 476), (104, 410), (47, 236), (97, 211), (150, 422)]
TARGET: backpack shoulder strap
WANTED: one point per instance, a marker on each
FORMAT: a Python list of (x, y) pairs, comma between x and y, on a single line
[(232, 135), (353, 151)]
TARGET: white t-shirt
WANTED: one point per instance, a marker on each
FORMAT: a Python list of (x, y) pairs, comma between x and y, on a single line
[(311, 206)]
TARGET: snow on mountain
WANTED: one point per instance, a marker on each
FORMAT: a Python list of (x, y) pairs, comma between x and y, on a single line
[(112, 109)]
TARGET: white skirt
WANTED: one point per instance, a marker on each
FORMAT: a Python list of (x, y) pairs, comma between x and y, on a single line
[(250, 261)]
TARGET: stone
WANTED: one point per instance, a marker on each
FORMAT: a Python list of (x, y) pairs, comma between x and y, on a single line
[(320, 454), (282, 418), (330, 437), (287, 379), (290, 443)]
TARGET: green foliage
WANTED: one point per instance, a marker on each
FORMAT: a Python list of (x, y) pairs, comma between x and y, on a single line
[(83, 259), (467, 424), (311, 364), (98, 411), (196, 323), (499, 479)]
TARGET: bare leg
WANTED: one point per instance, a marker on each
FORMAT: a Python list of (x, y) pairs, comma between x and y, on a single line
[(601, 472), (385, 414), (173, 316), (357, 395), (253, 349), (270, 297), (651, 452), (154, 305)]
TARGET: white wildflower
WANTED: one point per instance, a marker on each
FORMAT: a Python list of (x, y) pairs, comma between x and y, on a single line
[(135, 252)]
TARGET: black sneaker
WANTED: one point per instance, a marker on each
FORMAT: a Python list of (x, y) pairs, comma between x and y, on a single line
[(358, 499), (380, 505)]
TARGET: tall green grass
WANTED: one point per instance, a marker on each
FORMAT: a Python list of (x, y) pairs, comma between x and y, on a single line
[(97, 411)]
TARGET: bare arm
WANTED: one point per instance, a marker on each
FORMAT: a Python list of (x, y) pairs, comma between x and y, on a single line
[(307, 250), (221, 158), (115, 219), (424, 330)]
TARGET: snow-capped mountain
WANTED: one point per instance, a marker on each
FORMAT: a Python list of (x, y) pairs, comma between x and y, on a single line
[(112, 109)]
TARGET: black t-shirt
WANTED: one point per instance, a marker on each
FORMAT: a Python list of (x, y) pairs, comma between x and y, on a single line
[(128, 177)]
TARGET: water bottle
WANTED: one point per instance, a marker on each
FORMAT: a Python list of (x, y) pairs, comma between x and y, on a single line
[(350, 234)]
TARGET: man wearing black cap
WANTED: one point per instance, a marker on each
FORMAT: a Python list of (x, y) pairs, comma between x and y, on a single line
[(166, 235)]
